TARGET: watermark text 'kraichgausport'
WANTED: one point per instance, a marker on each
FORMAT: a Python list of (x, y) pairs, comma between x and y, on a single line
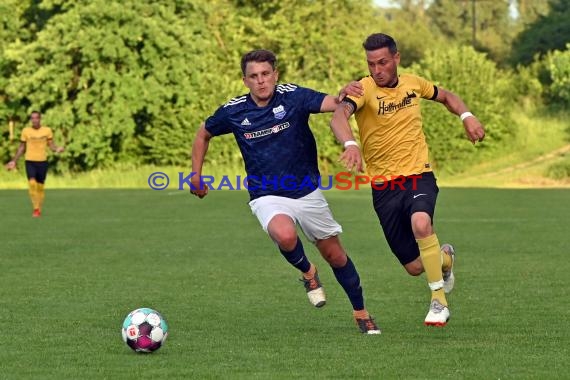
[(339, 181)]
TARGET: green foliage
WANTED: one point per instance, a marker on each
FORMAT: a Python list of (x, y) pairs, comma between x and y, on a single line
[(411, 27), (485, 25), (558, 66), (529, 10), (125, 82), (131, 81), (12, 28), (559, 170), (112, 78), (488, 95), (453, 19), (527, 84), (548, 32)]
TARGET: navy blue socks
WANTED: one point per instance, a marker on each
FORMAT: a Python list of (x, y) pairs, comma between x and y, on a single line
[(297, 257), (348, 278)]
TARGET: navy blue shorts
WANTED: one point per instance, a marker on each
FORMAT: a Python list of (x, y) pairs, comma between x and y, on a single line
[(37, 170), (395, 201)]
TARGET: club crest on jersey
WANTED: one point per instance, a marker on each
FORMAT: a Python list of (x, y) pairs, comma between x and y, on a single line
[(279, 112)]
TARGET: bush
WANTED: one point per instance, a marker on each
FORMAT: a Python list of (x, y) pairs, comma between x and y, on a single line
[(558, 66), (559, 170)]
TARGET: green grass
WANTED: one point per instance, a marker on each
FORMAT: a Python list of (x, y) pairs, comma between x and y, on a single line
[(237, 311)]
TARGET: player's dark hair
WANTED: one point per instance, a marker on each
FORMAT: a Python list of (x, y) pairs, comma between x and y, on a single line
[(34, 111), (378, 41), (258, 56)]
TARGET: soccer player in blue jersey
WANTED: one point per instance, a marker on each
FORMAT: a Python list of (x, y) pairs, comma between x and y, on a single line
[(270, 125)]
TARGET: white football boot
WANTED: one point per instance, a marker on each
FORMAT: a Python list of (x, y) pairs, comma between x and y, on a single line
[(438, 315), (315, 291)]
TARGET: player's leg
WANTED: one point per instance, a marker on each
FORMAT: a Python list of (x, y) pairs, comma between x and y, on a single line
[(33, 188), (347, 276), (277, 219), (41, 174), (430, 254), (447, 252), (392, 210), (421, 202), (317, 222), (396, 227), (283, 232)]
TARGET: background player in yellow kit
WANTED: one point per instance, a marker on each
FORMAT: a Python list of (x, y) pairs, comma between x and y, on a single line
[(34, 142), (394, 147)]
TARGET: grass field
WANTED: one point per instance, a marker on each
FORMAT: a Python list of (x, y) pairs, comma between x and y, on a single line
[(237, 311)]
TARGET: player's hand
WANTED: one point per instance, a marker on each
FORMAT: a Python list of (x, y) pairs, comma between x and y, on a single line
[(199, 188), (354, 88), (352, 159), (474, 129), (11, 165), (59, 149)]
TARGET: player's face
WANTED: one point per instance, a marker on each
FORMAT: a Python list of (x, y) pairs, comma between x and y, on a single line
[(36, 119), (261, 79), (383, 66)]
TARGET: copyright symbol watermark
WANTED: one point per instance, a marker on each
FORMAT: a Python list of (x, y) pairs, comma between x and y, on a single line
[(158, 181)]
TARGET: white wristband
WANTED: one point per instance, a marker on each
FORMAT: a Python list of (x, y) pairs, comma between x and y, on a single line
[(349, 143), (465, 115)]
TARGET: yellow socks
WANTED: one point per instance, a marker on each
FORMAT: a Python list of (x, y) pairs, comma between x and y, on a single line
[(34, 195), (41, 195), (37, 194), (431, 256)]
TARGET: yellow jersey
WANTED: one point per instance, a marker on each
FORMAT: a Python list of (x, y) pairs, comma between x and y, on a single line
[(390, 126), (36, 142)]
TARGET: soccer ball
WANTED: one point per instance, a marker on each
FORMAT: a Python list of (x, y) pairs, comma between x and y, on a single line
[(144, 330)]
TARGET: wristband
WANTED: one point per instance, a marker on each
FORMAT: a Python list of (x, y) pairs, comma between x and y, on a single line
[(349, 143), (465, 115)]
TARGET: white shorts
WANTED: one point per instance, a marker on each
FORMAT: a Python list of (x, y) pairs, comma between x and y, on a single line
[(311, 213)]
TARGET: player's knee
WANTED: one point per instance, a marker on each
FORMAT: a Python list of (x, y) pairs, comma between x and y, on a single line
[(421, 225), (335, 259), (287, 240), (415, 268)]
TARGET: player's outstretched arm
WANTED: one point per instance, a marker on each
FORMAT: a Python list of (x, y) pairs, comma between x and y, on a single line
[(351, 157), (21, 149), (55, 148), (199, 149), (473, 127)]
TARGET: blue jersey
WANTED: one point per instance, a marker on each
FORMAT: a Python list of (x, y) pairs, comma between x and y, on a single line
[(277, 145)]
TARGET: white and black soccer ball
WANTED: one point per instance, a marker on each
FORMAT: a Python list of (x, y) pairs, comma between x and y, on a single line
[(144, 330)]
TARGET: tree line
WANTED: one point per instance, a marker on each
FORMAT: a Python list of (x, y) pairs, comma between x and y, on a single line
[(129, 82)]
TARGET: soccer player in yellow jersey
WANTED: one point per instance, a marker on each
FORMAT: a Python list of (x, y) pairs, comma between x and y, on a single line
[(404, 189), (33, 142)]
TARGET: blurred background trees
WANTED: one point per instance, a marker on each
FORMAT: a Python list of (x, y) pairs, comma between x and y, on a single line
[(129, 82)]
